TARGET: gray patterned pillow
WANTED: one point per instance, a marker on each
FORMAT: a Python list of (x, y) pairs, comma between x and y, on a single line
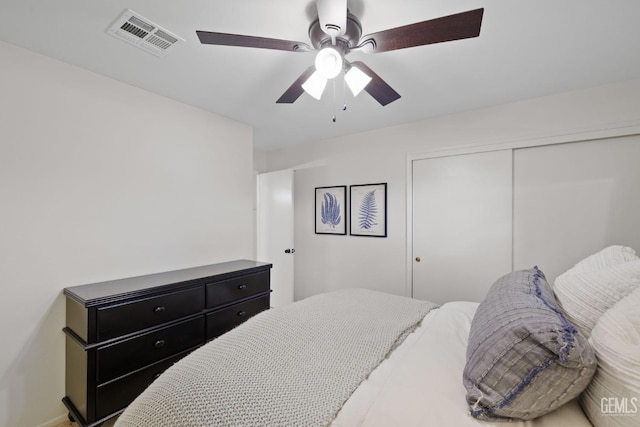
[(524, 358)]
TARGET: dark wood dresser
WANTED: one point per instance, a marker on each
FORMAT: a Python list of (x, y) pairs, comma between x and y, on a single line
[(122, 334)]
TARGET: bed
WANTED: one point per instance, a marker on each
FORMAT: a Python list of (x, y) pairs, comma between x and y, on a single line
[(530, 354)]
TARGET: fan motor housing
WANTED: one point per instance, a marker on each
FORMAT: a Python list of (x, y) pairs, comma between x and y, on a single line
[(351, 36)]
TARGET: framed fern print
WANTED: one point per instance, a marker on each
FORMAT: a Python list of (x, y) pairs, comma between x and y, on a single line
[(368, 210), (331, 210)]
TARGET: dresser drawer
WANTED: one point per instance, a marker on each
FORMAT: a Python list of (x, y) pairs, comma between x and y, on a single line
[(228, 318), (114, 321), (129, 355), (116, 395), (227, 291)]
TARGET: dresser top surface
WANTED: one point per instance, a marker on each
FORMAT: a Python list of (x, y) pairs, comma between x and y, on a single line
[(114, 290)]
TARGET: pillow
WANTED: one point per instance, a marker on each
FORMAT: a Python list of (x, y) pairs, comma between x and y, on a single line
[(613, 397), (586, 295), (524, 358), (607, 257)]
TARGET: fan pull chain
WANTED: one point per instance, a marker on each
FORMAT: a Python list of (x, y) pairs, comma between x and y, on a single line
[(344, 92), (344, 97), (333, 104)]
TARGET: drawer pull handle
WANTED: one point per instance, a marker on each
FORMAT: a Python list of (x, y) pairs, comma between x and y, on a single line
[(156, 375), (242, 287), (159, 344), (158, 309), (242, 313)]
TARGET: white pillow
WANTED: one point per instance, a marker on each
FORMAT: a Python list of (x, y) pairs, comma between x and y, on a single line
[(607, 257), (595, 284), (613, 396)]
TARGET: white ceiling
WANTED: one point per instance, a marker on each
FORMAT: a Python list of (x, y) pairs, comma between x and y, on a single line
[(526, 49)]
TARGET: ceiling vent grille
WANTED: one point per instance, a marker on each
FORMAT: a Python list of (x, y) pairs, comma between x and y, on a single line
[(140, 32)]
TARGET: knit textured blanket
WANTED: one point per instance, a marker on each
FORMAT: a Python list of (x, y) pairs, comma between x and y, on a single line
[(289, 366)]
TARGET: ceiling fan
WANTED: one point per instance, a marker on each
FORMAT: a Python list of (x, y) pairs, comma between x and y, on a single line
[(336, 32)]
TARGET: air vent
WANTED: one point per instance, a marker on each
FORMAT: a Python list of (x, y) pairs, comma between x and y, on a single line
[(140, 32)]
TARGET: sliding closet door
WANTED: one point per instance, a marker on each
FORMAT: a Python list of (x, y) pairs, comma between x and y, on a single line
[(461, 225), (571, 200)]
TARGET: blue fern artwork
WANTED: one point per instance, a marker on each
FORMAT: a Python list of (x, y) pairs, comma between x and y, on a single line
[(368, 214), (330, 210)]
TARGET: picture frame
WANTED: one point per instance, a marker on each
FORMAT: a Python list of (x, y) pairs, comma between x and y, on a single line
[(331, 210), (368, 210)]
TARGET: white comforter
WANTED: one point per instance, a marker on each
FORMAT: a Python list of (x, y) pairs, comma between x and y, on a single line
[(420, 383)]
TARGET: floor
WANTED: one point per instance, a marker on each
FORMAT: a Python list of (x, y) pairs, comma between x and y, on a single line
[(109, 423)]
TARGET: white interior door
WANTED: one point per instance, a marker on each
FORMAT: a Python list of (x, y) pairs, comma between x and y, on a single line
[(275, 232), (461, 225)]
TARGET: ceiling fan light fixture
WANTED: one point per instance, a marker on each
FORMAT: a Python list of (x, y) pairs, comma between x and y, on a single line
[(315, 85), (344, 33), (328, 62), (356, 80)]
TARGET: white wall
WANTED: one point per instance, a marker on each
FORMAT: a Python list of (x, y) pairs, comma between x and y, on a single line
[(99, 181), (326, 262)]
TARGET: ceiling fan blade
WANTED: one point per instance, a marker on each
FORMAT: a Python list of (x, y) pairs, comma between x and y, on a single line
[(295, 90), (332, 15), (377, 88), (462, 25), (208, 37)]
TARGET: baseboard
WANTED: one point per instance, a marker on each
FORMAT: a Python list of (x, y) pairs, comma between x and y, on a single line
[(62, 420)]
